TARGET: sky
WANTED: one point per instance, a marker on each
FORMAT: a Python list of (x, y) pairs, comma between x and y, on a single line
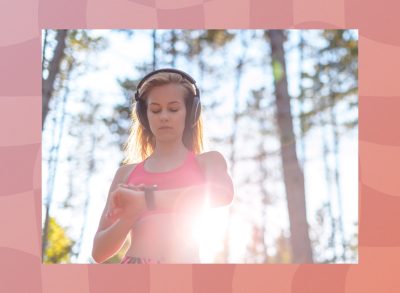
[(117, 62)]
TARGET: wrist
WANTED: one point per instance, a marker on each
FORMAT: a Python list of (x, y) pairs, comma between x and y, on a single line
[(149, 197)]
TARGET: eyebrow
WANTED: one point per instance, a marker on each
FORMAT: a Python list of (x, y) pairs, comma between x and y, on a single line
[(168, 103)]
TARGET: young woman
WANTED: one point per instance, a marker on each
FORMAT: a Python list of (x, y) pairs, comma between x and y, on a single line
[(156, 202)]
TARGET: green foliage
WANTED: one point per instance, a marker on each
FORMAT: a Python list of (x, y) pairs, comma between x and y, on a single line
[(197, 40), (217, 38), (333, 78), (59, 244), (283, 250), (83, 40)]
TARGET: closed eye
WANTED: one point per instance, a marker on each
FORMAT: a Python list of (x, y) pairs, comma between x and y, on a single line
[(172, 110)]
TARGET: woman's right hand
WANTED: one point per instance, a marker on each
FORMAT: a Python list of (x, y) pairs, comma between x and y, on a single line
[(127, 202)]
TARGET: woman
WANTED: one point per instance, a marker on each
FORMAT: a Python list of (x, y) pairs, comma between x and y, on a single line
[(155, 202)]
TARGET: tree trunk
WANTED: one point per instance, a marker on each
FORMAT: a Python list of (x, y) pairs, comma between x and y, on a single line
[(54, 69), (53, 162), (154, 38), (293, 175)]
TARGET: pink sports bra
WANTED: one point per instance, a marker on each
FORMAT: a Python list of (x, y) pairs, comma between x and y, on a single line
[(189, 173)]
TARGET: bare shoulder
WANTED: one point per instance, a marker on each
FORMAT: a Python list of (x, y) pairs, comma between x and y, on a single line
[(212, 160), (124, 171)]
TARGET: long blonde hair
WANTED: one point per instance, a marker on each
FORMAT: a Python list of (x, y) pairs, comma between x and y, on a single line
[(141, 141)]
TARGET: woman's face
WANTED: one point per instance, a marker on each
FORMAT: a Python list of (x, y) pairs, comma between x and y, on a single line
[(166, 112)]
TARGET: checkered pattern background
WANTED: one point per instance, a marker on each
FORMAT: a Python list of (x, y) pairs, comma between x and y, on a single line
[(379, 145)]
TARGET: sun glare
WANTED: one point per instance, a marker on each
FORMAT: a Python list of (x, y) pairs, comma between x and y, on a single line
[(209, 230)]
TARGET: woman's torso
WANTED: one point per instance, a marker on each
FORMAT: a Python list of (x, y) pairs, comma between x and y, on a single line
[(162, 234)]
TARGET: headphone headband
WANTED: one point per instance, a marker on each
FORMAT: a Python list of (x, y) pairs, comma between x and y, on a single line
[(171, 70)]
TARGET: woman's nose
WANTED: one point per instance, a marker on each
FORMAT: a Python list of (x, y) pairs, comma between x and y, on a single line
[(164, 115)]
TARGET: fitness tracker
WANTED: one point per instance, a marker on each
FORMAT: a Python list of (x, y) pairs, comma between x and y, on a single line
[(149, 196)]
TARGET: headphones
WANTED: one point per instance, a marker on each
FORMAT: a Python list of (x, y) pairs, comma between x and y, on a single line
[(141, 106)]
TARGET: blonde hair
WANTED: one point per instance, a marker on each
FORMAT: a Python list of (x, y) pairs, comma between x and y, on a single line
[(141, 141)]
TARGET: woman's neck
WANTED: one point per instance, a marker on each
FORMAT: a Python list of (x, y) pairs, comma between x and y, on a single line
[(169, 150), (166, 156)]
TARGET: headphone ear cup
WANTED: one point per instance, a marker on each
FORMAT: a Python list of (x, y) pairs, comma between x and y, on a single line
[(141, 113), (195, 111)]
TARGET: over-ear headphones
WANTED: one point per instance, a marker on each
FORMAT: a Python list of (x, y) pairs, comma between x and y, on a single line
[(141, 108)]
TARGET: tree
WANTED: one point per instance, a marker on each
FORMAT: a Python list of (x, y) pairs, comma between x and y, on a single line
[(59, 244), (332, 89), (293, 174), (53, 71), (66, 58)]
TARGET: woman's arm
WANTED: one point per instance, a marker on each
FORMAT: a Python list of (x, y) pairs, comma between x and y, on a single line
[(218, 187), (109, 241), (112, 232)]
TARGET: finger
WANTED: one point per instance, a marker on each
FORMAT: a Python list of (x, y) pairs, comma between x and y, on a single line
[(136, 187), (132, 187), (116, 212), (123, 185), (113, 213), (113, 200), (116, 200), (109, 214)]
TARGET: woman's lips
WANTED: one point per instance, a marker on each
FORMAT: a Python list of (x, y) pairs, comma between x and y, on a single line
[(165, 127)]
